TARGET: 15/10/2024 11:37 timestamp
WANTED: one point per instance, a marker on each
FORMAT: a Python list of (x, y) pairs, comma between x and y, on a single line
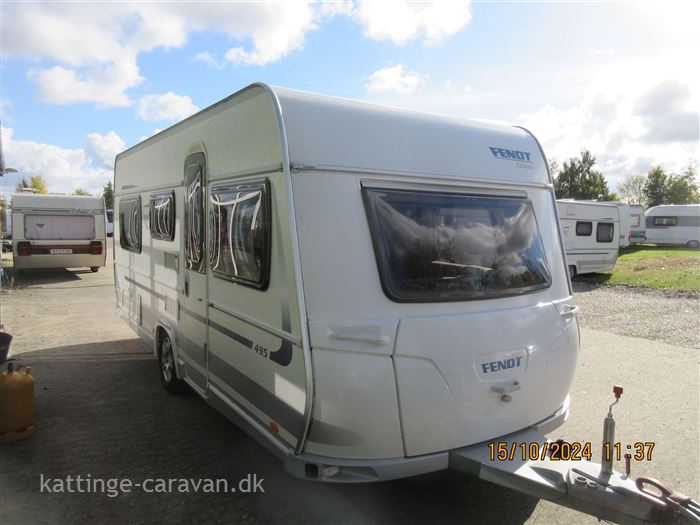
[(566, 451)]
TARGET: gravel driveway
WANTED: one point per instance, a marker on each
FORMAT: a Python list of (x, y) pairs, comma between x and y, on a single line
[(670, 317)]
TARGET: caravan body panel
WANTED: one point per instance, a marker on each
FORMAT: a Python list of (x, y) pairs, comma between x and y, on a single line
[(315, 347), (591, 234), (673, 224), (58, 231)]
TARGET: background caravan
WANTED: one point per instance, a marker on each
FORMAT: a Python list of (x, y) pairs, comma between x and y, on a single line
[(332, 275), (637, 224), (58, 231), (674, 224), (590, 233)]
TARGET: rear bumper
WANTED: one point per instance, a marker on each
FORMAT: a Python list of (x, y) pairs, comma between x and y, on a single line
[(58, 261), (337, 470)]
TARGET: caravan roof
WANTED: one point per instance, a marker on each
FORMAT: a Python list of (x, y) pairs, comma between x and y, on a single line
[(47, 201), (334, 133)]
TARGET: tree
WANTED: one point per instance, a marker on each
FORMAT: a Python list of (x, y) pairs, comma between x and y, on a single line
[(38, 184), (655, 187), (108, 194), (80, 191), (578, 180), (631, 189), (682, 189)]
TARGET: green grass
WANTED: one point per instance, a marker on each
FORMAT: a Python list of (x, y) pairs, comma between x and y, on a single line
[(654, 267)]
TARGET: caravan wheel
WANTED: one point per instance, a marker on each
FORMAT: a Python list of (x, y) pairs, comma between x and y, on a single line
[(168, 375), (692, 245), (572, 271)]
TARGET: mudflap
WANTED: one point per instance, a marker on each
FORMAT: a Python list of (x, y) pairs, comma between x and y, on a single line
[(579, 485)]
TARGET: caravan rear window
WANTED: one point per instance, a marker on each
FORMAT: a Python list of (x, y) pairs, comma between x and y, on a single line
[(59, 227), (434, 246), (239, 233), (130, 224), (605, 232)]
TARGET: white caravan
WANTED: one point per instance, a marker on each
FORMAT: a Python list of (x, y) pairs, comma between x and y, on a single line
[(638, 229), (58, 231), (364, 287), (591, 235), (371, 293), (674, 224)]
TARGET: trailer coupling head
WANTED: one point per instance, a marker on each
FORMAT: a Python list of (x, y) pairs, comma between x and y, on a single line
[(585, 486)]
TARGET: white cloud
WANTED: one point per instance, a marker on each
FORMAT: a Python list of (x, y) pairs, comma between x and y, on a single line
[(92, 48), (88, 51), (395, 79), (206, 58), (101, 150), (401, 21), (64, 169), (166, 106), (629, 120)]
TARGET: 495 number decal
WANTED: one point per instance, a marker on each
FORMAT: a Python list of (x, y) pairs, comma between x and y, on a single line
[(261, 350)]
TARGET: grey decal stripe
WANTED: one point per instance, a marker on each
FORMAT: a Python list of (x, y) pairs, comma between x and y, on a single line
[(230, 333), (145, 288), (193, 315), (261, 398)]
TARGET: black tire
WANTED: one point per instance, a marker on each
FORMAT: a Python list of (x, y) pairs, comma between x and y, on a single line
[(572, 271), (94, 269), (693, 245), (166, 360)]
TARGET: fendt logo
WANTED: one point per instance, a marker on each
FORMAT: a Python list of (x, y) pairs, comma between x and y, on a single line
[(504, 364), (511, 154)]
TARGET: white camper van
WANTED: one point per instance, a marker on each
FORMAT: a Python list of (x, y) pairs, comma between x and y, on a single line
[(58, 231), (591, 235), (674, 224), (363, 289), (638, 229)]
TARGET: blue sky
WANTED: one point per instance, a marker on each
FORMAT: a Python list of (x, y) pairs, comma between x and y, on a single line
[(83, 80)]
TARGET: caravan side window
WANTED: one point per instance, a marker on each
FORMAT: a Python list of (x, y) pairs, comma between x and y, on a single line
[(605, 232), (584, 228), (665, 221), (130, 224), (162, 216), (239, 233)]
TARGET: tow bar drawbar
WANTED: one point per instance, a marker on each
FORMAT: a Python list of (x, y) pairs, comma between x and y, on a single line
[(585, 486)]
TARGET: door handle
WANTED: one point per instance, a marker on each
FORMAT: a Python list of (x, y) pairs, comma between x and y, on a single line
[(506, 389), (187, 285), (568, 311)]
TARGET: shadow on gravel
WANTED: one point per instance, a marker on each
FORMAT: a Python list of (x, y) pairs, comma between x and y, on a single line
[(590, 281), (39, 277), (101, 411)]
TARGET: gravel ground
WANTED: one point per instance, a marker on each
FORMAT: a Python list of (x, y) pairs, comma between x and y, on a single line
[(671, 317)]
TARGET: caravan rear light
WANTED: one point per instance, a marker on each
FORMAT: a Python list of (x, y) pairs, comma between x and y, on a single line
[(96, 248), (23, 248)]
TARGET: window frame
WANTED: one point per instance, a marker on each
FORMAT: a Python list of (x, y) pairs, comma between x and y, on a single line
[(581, 223), (658, 217), (378, 250), (266, 205), (195, 265), (597, 232), (122, 237), (171, 216)]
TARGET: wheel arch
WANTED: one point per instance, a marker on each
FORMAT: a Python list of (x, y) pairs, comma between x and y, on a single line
[(160, 328)]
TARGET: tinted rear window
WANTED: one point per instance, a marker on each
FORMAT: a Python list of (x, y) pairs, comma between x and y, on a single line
[(434, 246)]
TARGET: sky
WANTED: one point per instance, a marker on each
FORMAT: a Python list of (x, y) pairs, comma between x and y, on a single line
[(80, 81)]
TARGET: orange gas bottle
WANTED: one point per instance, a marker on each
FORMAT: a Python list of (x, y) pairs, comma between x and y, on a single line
[(16, 403)]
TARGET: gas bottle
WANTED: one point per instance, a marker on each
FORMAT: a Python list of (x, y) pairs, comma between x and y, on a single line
[(16, 403)]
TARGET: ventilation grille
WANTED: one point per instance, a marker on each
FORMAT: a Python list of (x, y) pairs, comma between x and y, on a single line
[(170, 260)]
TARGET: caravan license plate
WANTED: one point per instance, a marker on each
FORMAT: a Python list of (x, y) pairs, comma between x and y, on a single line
[(60, 251)]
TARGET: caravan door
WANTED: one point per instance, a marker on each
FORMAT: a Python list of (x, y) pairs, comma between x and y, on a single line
[(192, 334)]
